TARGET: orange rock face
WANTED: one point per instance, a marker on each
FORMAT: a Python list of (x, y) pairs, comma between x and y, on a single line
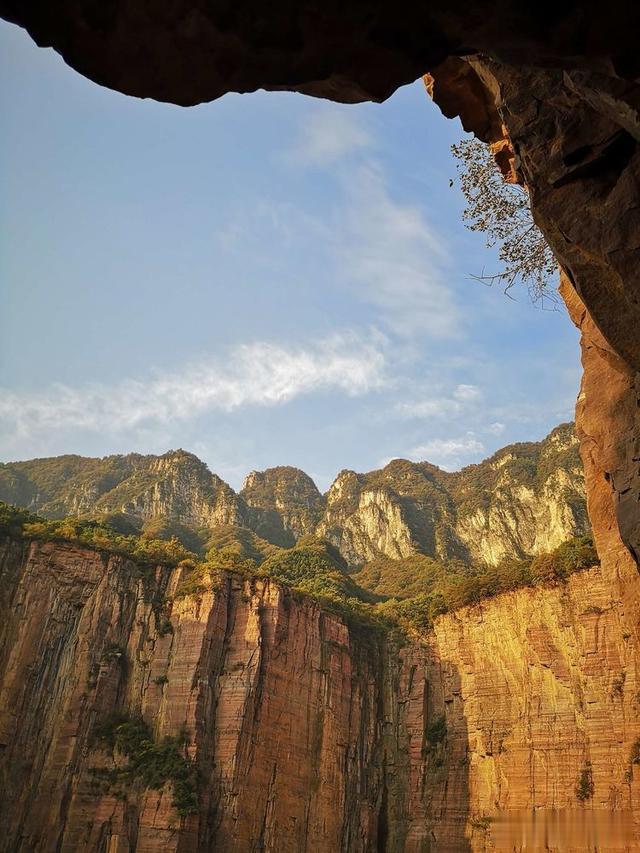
[(293, 725), (307, 734), (539, 685)]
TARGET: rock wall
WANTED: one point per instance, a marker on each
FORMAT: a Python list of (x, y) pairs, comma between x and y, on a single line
[(526, 499), (573, 140), (540, 685), (295, 722), (308, 734)]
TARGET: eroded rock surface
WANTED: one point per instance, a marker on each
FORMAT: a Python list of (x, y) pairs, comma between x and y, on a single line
[(308, 734), (193, 51)]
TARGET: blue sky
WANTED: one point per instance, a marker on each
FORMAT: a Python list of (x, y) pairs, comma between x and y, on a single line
[(268, 279)]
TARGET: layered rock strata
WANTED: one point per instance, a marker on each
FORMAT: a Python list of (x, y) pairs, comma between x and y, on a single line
[(308, 734)]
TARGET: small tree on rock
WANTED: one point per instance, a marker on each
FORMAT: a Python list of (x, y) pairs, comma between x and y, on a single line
[(501, 211)]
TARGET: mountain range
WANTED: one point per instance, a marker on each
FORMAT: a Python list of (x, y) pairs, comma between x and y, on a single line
[(526, 499)]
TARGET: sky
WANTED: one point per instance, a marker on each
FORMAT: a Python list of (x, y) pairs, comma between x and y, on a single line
[(268, 279)]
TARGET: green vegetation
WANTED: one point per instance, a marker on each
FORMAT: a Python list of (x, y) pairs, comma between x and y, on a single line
[(528, 464), (120, 492), (584, 786), (450, 586), (384, 594), (167, 530), (149, 763), (13, 520), (482, 823), (238, 542), (408, 578), (436, 731), (93, 534), (315, 568), (266, 492)]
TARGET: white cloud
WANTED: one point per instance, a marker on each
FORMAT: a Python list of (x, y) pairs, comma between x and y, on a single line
[(258, 374), (329, 134), (448, 453), (461, 399), (497, 428), (395, 258), (467, 393)]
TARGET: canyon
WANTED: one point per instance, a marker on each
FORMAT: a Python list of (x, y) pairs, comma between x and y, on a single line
[(537, 687), (427, 738), (393, 743)]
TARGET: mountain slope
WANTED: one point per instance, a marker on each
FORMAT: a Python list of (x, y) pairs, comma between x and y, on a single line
[(526, 499), (284, 504)]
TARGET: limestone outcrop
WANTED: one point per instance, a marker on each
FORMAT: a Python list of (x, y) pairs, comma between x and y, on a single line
[(526, 499), (284, 504)]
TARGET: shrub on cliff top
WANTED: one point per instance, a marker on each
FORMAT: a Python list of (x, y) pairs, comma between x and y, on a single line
[(93, 534), (313, 567), (13, 519), (316, 569)]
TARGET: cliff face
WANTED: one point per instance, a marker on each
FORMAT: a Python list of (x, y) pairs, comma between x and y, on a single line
[(531, 503), (363, 522), (84, 639), (540, 685), (525, 499), (307, 735)]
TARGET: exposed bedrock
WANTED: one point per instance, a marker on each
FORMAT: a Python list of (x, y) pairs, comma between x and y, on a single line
[(190, 51), (573, 140), (309, 735)]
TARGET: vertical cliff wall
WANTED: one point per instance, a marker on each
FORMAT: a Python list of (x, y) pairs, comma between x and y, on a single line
[(306, 734), (295, 721), (539, 686)]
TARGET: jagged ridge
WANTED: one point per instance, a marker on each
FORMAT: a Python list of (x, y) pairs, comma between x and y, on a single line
[(526, 499)]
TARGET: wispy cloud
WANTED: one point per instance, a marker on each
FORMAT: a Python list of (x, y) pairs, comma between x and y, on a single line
[(448, 453), (461, 399), (257, 374), (395, 258), (328, 135)]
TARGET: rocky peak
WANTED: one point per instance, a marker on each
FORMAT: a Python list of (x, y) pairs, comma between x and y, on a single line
[(526, 498), (284, 503), (345, 488)]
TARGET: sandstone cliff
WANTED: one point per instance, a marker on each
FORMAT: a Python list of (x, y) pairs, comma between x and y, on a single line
[(308, 734)]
